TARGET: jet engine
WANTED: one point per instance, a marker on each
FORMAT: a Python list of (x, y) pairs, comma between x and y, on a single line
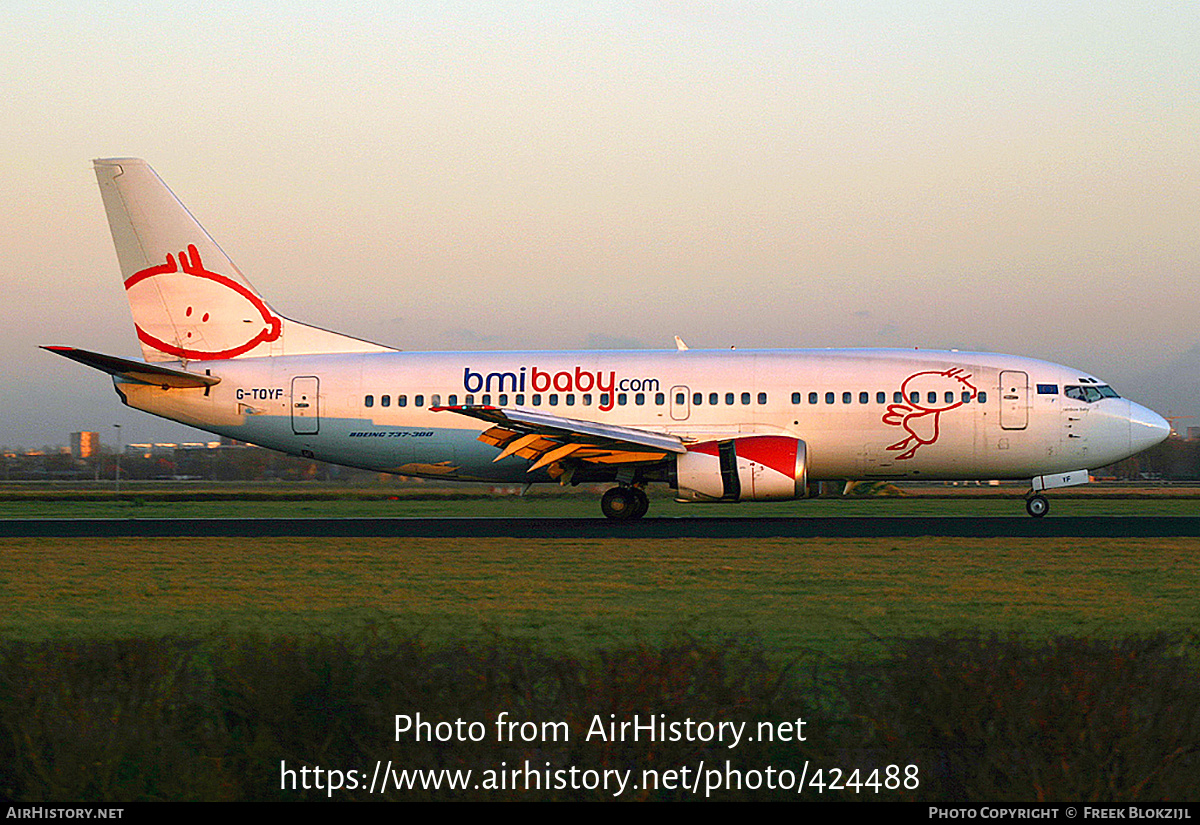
[(750, 468)]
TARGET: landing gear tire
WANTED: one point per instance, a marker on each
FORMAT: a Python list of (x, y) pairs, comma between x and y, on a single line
[(643, 502), (624, 504), (1037, 506)]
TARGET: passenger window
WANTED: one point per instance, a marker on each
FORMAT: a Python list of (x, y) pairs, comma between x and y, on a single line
[(401, 400), (553, 399), (570, 399), (864, 398), (659, 399), (897, 397), (713, 398), (640, 399), (828, 398), (762, 398), (385, 401), (982, 397), (966, 397), (846, 397), (881, 397), (435, 400), (537, 399), (915, 397), (604, 399), (452, 401), (469, 400), (622, 399), (697, 398), (812, 398), (795, 398), (745, 398), (949, 396), (369, 401), (419, 401), (502, 400), (586, 400), (520, 400), (932, 396), (729, 399), (680, 398)]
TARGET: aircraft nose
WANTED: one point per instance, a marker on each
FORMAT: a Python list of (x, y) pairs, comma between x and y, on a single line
[(1146, 428)]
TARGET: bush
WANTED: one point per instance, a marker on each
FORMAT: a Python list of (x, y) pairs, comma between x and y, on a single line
[(985, 718)]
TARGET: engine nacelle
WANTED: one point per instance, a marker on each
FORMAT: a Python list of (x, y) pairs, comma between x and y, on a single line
[(750, 468)]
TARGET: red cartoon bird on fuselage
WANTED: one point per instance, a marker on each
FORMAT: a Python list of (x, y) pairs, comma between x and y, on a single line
[(934, 394)]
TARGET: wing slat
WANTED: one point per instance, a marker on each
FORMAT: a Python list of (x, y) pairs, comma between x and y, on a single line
[(517, 444), (548, 440)]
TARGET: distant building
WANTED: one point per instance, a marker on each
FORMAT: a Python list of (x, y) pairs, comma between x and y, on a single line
[(151, 450), (1193, 434), (85, 445)]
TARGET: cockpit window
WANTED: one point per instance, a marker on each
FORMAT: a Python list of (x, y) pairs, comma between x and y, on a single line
[(1091, 393)]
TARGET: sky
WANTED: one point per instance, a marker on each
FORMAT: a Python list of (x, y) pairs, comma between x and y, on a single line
[(1020, 178)]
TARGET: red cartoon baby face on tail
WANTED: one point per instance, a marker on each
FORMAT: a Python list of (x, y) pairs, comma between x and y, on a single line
[(190, 312), (926, 396)]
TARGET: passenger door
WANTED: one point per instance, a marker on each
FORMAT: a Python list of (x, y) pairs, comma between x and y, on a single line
[(306, 409), (1014, 400)]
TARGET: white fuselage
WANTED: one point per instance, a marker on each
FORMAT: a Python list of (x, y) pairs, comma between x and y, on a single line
[(864, 414)]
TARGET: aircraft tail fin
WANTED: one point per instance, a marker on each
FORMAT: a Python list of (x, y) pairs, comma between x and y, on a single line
[(189, 300)]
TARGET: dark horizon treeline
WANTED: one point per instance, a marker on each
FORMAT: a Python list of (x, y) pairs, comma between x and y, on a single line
[(1175, 459)]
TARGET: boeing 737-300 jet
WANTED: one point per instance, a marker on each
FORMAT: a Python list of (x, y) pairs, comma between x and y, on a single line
[(715, 425)]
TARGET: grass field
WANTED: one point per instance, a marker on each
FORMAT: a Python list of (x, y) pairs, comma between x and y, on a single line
[(795, 594), (832, 595)]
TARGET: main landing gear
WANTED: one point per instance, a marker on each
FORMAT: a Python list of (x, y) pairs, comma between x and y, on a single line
[(625, 503), (1037, 506)]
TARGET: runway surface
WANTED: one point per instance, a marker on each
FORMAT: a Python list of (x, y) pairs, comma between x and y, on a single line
[(654, 528)]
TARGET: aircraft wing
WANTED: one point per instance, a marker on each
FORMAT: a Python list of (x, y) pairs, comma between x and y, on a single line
[(139, 371), (549, 439)]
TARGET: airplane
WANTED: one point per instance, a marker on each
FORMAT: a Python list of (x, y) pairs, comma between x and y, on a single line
[(715, 425)]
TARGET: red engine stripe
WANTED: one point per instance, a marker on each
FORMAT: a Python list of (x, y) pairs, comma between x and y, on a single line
[(775, 451)]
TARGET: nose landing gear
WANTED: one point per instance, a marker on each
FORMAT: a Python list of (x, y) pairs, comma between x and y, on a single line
[(1037, 506)]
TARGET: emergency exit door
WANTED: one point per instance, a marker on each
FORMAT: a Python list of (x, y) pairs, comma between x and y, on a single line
[(680, 403)]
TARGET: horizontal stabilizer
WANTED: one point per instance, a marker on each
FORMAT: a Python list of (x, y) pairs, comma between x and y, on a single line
[(139, 371)]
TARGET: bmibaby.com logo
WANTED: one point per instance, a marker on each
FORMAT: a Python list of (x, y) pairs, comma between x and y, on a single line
[(577, 379)]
